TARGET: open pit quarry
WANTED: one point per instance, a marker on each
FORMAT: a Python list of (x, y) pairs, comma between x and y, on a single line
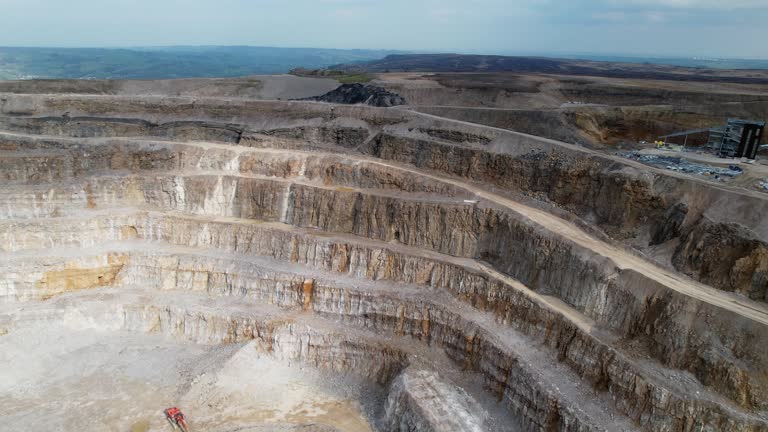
[(271, 265)]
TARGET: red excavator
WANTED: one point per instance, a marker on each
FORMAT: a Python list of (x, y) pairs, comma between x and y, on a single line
[(176, 419)]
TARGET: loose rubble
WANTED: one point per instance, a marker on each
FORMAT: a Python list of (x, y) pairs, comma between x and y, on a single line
[(361, 94), (680, 164)]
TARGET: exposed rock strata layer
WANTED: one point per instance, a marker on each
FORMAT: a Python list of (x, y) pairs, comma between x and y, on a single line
[(627, 200), (382, 236)]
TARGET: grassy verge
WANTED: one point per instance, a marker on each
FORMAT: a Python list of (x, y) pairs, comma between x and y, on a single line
[(360, 78)]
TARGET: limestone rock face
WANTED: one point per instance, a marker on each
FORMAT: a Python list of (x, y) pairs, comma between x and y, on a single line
[(414, 404), (625, 201), (725, 255), (466, 278)]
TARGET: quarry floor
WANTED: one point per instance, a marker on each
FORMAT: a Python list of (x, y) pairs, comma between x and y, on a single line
[(71, 359), (79, 375)]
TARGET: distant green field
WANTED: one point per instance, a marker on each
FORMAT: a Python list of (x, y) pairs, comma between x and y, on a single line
[(170, 62), (361, 78)]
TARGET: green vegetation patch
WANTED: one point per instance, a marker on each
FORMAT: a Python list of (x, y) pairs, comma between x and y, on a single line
[(360, 78)]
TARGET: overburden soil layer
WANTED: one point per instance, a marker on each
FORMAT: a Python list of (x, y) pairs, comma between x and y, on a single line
[(372, 268)]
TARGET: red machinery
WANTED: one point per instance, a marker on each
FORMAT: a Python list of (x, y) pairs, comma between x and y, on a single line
[(176, 419)]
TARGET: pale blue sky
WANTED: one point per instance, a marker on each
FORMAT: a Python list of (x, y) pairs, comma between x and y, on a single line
[(643, 27)]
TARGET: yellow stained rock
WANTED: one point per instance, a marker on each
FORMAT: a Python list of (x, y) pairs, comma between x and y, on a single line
[(75, 278)]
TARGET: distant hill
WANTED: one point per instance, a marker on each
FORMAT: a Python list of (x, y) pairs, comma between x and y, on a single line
[(169, 62), (692, 62), (491, 63), (238, 61)]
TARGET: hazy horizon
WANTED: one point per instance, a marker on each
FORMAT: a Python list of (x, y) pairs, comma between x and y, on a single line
[(647, 28), (565, 54)]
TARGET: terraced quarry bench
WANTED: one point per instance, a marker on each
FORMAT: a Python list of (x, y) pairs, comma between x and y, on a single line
[(304, 266)]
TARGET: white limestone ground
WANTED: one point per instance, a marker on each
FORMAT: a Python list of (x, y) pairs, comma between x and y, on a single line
[(252, 389), (69, 374)]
